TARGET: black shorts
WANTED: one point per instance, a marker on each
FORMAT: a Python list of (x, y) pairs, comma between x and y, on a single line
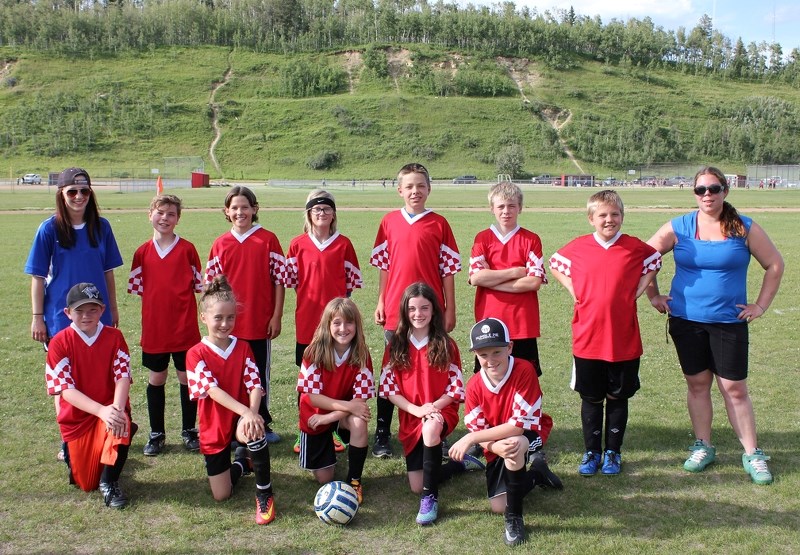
[(159, 362), (597, 379), (496, 470), (317, 451), (299, 349), (526, 349), (721, 348), (414, 458), (218, 462)]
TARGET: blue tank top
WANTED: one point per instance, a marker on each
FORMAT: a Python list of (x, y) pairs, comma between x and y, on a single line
[(710, 276)]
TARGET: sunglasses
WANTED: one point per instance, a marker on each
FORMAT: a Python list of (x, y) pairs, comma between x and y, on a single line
[(702, 189), (72, 193)]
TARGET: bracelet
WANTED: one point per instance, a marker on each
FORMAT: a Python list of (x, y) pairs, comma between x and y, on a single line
[(761, 307), (38, 314)]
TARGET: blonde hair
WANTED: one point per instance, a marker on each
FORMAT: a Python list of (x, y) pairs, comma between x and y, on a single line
[(318, 193), (160, 200), (609, 197), (505, 190), (320, 350)]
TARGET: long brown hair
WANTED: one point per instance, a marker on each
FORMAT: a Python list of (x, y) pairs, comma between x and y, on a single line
[(730, 223), (91, 217), (320, 350), (439, 356), (241, 191)]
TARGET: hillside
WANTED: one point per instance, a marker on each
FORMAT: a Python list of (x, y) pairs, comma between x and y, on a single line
[(362, 113)]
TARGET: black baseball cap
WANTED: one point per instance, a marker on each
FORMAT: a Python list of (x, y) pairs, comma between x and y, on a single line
[(84, 293), (489, 332), (70, 175)]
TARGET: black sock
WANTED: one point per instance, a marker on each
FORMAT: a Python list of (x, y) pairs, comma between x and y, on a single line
[(155, 407), (188, 409), (259, 453), (452, 468), (236, 472), (431, 468), (355, 462), (515, 490), (592, 422), (111, 473), (616, 422), (385, 413)]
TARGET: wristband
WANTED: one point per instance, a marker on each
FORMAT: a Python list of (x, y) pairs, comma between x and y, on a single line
[(761, 307), (42, 313)]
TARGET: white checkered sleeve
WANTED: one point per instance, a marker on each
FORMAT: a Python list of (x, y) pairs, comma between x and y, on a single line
[(364, 385), (535, 266), (59, 377), (309, 380), (292, 270), (476, 264), (251, 376), (198, 280), (449, 261), (352, 275), (652, 263), (475, 420), (380, 257), (561, 264), (388, 387), (122, 365), (277, 268), (136, 282), (213, 268), (526, 416), (455, 388), (200, 380)]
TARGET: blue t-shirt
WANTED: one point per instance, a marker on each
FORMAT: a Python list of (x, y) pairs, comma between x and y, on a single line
[(62, 268), (710, 276)]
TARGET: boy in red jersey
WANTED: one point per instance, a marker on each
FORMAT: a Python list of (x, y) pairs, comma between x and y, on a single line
[(413, 244), (503, 413), (166, 273), (605, 273), (89, 366)]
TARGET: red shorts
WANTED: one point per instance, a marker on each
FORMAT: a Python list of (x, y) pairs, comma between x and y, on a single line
[(91, 452)]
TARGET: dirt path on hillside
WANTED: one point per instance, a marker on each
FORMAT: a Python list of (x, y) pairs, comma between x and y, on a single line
[(398, 61), (352, 61), (215, 116)]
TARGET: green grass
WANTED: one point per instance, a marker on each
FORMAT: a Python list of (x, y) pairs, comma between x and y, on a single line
[(652, 507)]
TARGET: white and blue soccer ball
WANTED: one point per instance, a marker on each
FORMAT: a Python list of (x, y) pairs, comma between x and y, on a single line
[(336, 503)]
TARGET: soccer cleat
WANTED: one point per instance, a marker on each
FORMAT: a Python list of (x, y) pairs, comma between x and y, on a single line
[(475, 451), (191, 439), (265, 508), (271, 436), (113, 495), (471, 463), (338, 444), (382, 448), (542, 474), (356, 485), (428, 510), (612, 462), (155, 444), (589, 464), (241, 455), (296, 447), (702, 456), (756, 466), (514, 533)]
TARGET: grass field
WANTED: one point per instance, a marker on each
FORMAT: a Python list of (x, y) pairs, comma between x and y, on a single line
[(652, 507)]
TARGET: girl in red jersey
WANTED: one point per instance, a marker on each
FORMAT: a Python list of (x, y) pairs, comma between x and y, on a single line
[(334, 383), (321, 264), (252, 259), (422, 377), (224, 380)]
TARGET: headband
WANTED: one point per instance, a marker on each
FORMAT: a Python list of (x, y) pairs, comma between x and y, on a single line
[(320, 200)]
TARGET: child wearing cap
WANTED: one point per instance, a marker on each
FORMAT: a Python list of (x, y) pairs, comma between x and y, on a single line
[(89, 366), (605, 273), (503, 413)]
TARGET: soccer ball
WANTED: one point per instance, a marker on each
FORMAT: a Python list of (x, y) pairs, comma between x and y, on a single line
[(336, 503)]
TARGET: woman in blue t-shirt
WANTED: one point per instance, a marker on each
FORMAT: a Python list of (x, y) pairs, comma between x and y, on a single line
[(709, 312)]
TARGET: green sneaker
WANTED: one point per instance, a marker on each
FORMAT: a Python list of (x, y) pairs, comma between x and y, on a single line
[(702, 456), (756, 466)]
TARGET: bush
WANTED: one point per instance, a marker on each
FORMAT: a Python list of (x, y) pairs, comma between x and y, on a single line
[(300, 79), (325, 160)]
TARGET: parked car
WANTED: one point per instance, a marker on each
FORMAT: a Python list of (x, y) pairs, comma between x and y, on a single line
[(32, 179), (677, 180), (466, 179), (610, 181), (544, 179)]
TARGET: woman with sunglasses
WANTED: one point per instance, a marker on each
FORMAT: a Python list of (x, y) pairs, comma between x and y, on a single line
[(709, 312)]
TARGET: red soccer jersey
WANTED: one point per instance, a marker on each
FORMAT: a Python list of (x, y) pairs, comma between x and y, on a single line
[(605, 278), (421, 248), (319, 272), (167, 280), (516, 399), (93, 366), (345, 382), (520, 311), (421, 384), (235, 372), (253, 264)]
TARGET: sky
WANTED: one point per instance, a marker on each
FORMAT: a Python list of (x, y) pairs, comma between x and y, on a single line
[(753, 20)]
